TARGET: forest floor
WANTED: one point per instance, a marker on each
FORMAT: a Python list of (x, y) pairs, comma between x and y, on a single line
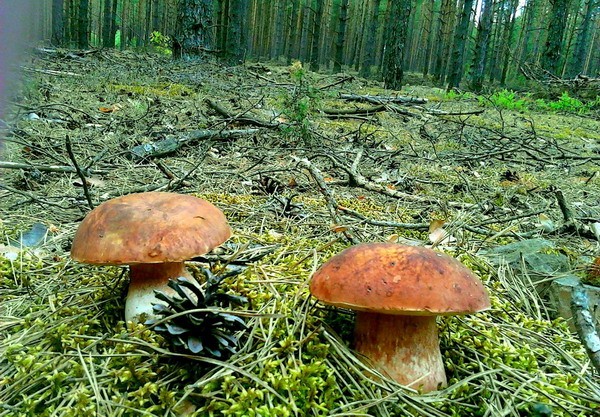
[(509, 188)]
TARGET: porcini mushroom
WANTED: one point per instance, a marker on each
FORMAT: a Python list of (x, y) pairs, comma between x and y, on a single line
[(397, 292), (153, 233)]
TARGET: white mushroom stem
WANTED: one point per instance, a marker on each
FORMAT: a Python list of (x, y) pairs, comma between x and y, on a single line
[(406, 348), (145, 278)]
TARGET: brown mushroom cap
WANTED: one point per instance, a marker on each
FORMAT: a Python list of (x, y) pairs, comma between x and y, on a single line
[(395, 279), (153, 227)]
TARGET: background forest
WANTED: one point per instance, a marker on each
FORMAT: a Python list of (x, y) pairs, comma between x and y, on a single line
[(496, 41)]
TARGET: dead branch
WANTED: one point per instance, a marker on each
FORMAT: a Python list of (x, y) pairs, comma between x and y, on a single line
[(31, 197), (242, 118), (383, 223), (357, 180), (425, 226), (367, 111), (80, 173), (584, 323), (571, 224), (437, 112), (342, 80), (332, 204), (170, 175), (172, 143), (46, 168), (383, 99), (52, 72)]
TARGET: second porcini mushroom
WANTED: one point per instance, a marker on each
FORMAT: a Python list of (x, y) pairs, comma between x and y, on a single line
[(397, 292), (153, 233)]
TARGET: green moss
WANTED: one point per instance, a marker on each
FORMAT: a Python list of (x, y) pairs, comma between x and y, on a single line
[(66, 360)]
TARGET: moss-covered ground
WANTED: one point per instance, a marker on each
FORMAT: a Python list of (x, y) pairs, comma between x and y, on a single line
[(494, 178)]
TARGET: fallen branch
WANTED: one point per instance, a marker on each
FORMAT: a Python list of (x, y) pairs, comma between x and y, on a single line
[(425, 226), (242, 118), (437, 112), (52, 72), (367, 111), (584, 323), (80, 173), (332, 204), (383, 100), (356, 179), (31, 197), (46, 168), (173, 143), (384, 223)]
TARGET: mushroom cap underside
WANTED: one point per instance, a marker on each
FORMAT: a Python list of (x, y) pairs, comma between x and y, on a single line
[(152, 227), (396, 279)]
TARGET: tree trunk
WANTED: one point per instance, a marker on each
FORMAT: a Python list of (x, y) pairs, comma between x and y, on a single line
[(292, 32), (428, 35), (278, 34), (446, 22), (234, 47), (58, 22), (156, 15), (460, 41), (395, 44), (341, 36), (580, 53), (107, 25), (83, 22), (303, 52), (194, 28), (481, 46), (368, 59), (113, 22), (507, 40), (556, 30), (316, 34)]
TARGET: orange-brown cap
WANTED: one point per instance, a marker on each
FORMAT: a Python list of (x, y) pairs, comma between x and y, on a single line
[(396, 279), (149, 227)]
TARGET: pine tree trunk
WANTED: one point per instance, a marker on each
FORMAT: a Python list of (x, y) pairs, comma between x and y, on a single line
[(156, 15), (107, 24), (368, 59), (316, 35), (446, 22), (194, 28), (580, 52), (341, 36), (305, 35), (481, 46), (556, 30), (58, 22), (234, 48), (393, 71), (507, 41), (278, 33), (292, 34), (460, 41), (83, 22), (427, 35)]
